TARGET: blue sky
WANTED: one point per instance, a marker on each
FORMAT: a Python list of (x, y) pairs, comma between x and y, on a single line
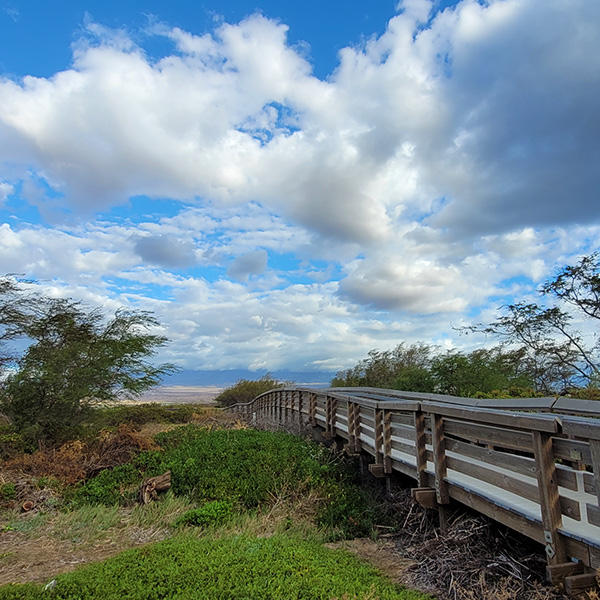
[(288, 186)]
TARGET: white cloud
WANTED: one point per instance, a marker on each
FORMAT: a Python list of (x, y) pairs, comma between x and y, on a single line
[(165, 251), (444, 165), (6, 189), (253, 263)]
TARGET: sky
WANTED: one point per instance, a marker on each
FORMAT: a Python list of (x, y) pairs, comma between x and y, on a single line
[(290, 185)]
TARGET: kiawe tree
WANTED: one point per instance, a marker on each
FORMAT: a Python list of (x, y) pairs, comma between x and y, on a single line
[(557, 353), (74, 358)]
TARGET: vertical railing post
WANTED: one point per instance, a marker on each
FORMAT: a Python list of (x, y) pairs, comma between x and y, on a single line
[(357, 420), (300, 408), (287, 406), (549, 498), (387, 442), (351, 427), (333, 417), (327, 432), (378, 469), (439, 458), (420, 448), (378, 436), (312, 409)]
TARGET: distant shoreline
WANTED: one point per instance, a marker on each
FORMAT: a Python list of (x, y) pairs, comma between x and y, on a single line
[(181, 394)]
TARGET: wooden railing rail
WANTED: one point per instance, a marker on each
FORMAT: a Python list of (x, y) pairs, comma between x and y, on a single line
[(529, 464)]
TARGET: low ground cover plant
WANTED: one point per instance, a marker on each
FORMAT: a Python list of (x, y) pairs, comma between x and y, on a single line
[(248, 468), (239, 566)]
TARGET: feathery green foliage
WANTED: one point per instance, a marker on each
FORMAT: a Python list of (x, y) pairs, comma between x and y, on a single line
[(74, 360)]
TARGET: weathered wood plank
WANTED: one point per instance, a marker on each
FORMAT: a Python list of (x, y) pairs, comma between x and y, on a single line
[(581, 427), (576, 584), (516, 420), (403, 431), (405, 448), (514, 520), (367, 419), (405, 468), (426, 497), (574, 406), (420, 447), (572, 450), (439, 458), (556, 574), (593, 514), (500, 480), (402, 419), (486, 434), (556, 551)]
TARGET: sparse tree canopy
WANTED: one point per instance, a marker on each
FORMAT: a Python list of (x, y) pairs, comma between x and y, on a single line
[(558, 356), (422, 368), (73, 358)]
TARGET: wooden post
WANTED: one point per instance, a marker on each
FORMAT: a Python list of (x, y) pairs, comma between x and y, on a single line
[(300, 408), (351, 427), (292, 404), (549, 498), (357, 440), (312, 409), (595, 452), (287, 406), (439, 459), (378, 469), (333, 417), (387, 442), (327, 432), (420, 448)]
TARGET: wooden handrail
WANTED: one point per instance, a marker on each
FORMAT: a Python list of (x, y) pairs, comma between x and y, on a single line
[(532, 464)]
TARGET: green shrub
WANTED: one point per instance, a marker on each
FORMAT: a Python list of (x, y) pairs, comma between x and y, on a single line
[(245, 466), (246, 390), (277, 567), (248, 468), (212, 513), (140, 414), (109, 487), (7, 492)]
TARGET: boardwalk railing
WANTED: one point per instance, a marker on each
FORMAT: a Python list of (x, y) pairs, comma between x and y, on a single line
[(531, 464)]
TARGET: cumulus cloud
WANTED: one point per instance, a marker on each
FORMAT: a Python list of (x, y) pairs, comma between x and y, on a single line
[(253, 263), (491, 106), (6, 189), (165, 251), (439, 163)]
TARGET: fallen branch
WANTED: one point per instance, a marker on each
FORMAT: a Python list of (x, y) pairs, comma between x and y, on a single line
[(150, 488)]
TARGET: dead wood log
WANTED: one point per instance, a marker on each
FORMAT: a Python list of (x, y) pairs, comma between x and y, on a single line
[(150, 488)]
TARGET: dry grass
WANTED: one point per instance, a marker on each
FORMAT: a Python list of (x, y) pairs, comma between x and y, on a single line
[(34, 545), (76, 461)]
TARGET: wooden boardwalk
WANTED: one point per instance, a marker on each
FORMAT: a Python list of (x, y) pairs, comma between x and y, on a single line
[(531, 464)]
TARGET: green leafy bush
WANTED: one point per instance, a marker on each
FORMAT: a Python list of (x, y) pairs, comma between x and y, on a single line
[(278, 568), (245, 467), (246, 390), (212, 513), (7, 492), (111, 486), (140, 414)]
